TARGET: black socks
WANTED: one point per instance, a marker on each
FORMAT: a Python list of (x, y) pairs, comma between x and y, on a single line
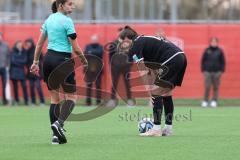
[(168, 109), (158, 103), (66, 110), (54, 111), (157, 109)]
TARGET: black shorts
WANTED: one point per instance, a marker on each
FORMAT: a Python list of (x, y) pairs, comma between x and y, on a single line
[(58, 71), (172, 73)]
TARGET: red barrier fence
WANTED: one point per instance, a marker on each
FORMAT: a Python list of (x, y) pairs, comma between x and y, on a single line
[(195, 38)]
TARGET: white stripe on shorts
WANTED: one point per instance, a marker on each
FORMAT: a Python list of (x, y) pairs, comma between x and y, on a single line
[(172, 58)]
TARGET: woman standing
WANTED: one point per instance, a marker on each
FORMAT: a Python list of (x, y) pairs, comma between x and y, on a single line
[(58, 67), (18, 61), (34, 81)]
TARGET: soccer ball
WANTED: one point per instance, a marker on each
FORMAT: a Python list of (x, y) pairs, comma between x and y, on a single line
[(145, 125)]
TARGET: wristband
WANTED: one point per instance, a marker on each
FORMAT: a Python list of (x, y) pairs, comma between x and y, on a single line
[(36, 62), (136, 59)]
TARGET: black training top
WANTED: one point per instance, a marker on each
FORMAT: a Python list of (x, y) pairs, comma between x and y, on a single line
[(153, 49)]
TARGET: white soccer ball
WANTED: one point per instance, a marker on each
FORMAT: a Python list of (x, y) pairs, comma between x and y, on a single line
[(145, 125)]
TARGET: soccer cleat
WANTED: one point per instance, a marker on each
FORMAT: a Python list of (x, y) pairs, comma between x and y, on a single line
[(152, 133), (55, 140), (59, 132), (204, 104), (213, 104), (167, 131)]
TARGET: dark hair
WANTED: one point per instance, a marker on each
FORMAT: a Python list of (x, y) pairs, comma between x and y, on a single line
[(15, 45), (54, 7), (128, 32), (56, 4), (30, 40)]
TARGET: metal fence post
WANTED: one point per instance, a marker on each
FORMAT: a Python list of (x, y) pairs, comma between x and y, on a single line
[(98, 9), (161, 9), (142, 9), (132, 9), (120, 9), (8, 5), (151, 9), (174, 10), (87, 10), (27, 10), (109, 9)]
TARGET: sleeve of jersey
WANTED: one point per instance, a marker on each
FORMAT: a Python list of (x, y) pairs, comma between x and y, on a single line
[(44, 27), (70, 29), (136, 52)]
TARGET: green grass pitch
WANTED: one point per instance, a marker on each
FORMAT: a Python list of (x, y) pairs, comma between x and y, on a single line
[(198, 134)]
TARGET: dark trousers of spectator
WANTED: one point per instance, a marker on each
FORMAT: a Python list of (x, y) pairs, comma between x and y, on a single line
[(3, 74), (98, 91), (35, 84), (212, 80), (24, 89), (116, 73)]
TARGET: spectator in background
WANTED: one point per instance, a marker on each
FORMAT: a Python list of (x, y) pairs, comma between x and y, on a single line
[(94, 54), (4, 62), (120, 65), (212, 65), (34, 81), (18, 61)]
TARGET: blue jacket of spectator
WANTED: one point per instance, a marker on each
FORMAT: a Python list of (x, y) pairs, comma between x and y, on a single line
[(94, 49), (94, 63), (18, 60)]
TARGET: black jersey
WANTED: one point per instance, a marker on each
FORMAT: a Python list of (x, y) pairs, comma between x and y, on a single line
[(153, 50)]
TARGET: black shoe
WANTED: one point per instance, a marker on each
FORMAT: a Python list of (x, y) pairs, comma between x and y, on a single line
[(59, 132), (55, 140)]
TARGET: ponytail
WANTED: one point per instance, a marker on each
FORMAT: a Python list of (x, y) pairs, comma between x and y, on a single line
[(54, 7)]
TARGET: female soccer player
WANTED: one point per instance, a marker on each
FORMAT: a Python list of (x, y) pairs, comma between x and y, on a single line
[(60, 31), (165, 64)]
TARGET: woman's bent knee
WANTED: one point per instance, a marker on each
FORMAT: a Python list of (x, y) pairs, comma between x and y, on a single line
[(71, 97)]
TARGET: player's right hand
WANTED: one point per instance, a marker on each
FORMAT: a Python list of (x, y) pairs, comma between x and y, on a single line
[(35, 69)]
